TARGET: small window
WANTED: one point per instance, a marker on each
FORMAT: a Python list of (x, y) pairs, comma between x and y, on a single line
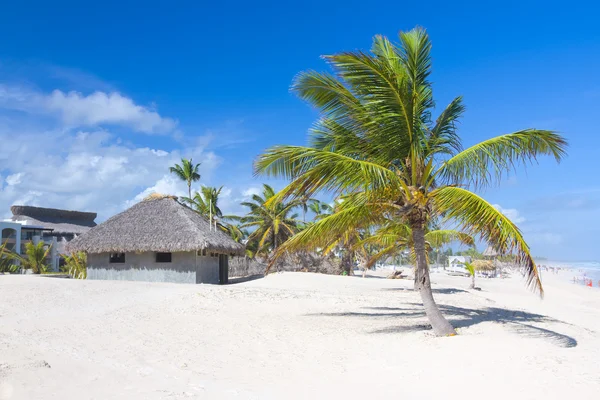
[(117, 258), (201, 253), (163, 257)]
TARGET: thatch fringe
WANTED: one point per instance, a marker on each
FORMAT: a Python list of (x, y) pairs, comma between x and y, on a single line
[(158, 223)]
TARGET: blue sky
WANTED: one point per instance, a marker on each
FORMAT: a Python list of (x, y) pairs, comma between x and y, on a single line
[(97, 100)]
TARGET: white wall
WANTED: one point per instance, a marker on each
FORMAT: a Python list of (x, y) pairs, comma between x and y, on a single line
[(185, 267)]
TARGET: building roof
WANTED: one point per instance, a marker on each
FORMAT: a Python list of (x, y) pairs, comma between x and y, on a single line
[(60, 221), (158, 223), (490, 252)]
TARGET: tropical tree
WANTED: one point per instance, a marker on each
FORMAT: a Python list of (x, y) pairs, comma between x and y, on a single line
[(320, 209), (378, 143), (35, 257), (6, 261), (471, 270), (76, 265), (273, 221), (187, 171), (206, 202)]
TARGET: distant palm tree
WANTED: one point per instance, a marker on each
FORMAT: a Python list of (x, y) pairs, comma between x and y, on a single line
[(206, 201), (471, 269), (35, 257), (76, 264), (187, 172), (320, 209), (6, 261), (377, 142), (273, 221)]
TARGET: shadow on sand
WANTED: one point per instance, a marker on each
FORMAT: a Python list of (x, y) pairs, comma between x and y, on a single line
[(435, 291), (233, 281), (519, 322)]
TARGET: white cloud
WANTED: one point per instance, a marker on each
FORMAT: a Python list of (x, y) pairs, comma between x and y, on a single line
[(14, 179), (88, 171), (251, 191), (75, 109), (510, 213)]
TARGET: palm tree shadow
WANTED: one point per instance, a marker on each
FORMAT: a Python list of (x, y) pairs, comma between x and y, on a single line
[(436, 291), (519, 322)]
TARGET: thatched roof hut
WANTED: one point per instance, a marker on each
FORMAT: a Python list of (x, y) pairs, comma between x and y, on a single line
[(156, 224), (490, 252), (483, 265), (60, 221)]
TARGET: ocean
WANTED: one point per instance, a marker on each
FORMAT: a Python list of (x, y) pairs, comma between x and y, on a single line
[(579, 269)]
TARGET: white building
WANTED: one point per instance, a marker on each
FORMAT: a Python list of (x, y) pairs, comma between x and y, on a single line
[(16, 234), (52, 226), (456, 264)]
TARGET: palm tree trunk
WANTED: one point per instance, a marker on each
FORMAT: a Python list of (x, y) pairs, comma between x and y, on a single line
[(346, 262), (441, 327), (189, 190)]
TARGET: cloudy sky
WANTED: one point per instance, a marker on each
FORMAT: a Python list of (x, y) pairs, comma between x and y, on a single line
[(97, 102)]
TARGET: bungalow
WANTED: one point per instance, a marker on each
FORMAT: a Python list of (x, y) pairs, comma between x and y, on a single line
[(157, 240)]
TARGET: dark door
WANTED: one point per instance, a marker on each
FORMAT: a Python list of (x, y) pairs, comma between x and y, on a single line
[(223, 269)]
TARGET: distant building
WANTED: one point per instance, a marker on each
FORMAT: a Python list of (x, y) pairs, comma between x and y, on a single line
[(457, 264), (52, 226)]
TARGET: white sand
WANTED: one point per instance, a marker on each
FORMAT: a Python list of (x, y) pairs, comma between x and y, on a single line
[(295, 336)]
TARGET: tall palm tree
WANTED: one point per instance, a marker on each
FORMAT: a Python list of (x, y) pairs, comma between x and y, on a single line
[(377, 142), (206, 201), (273, 221), (188, 172)]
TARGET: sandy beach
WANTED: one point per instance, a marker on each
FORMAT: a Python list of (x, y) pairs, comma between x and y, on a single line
[(295, 336)]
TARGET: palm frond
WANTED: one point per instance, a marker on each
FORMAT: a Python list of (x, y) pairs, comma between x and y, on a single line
[(439, 238), (443, 138), (477, 217), (488, 161), (313, 170)]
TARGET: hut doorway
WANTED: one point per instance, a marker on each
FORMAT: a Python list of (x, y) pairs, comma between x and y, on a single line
[(223, 269)]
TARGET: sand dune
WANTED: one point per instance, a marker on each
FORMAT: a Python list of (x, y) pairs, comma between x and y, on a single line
[(295, 336)]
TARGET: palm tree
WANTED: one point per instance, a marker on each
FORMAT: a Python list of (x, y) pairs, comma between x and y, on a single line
[(206, 201), (187, 172), (471, 269), (320, 209), (377, 141), (6, 264), (76, 264), (272, 220), (35, 257)]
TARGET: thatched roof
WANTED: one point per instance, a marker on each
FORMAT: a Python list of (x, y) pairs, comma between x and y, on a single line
[(490, 252), (60, 221), (483, 265), (158, 223)]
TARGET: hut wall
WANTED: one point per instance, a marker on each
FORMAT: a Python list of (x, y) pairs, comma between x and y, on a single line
[(183, 268), (208, 269)]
